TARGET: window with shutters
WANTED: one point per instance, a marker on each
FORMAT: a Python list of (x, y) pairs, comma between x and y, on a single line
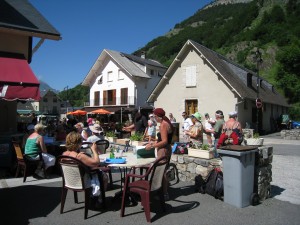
[(109, 97), (96, 98), (124, 96), (190, 76), (191, 106)]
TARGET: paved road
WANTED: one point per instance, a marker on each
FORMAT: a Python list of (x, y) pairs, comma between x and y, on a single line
[(285, 168), (38, 202)]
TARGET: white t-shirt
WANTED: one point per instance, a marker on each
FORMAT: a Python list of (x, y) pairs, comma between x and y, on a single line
[(207, 124), (187, 123)]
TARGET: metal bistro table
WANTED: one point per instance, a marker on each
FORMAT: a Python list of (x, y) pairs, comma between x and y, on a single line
[(131, 161)]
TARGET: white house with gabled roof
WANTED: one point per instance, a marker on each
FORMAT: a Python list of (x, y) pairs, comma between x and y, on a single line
[(118, 80)]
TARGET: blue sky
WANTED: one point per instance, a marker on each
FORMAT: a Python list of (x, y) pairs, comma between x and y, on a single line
[(88, 27)]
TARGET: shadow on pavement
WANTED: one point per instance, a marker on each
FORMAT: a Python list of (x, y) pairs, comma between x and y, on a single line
[(275, 190), (20, 204), (114, 204)]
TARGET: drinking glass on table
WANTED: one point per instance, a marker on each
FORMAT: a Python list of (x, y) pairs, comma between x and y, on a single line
[(134, 150)]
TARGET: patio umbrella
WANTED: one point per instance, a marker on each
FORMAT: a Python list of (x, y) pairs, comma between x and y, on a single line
[(101, 111), (78, 112)]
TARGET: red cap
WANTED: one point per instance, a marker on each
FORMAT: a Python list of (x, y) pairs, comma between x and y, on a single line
[(159, 112)]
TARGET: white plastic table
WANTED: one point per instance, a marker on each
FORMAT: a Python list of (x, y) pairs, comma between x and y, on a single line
[(131, 161)]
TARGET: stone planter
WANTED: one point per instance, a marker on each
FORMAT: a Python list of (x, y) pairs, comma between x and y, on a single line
[(123, 141), (199, 153), (137, 143), (255, 141), (112, 139)]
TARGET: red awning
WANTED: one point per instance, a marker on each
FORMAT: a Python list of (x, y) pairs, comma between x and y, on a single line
[(17, 81)]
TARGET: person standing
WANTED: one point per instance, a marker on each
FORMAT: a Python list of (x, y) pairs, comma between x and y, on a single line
[(139, 125), (163, 143), (196, 130), (208, 126), (187, 123), (232, 130), (172, 118), (217, 129), (150, 132)]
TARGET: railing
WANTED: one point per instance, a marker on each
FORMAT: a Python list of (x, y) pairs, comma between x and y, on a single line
[(130, 100)]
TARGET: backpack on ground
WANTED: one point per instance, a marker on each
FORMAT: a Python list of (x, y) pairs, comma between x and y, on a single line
[(213, 185), (172, 174), (199, 184)]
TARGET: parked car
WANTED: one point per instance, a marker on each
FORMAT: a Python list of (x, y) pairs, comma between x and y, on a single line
[(284, 122), (295, 125)]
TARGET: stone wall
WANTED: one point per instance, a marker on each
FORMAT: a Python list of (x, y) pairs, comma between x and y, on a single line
[(293, 134), (263, 172), (189, 167)]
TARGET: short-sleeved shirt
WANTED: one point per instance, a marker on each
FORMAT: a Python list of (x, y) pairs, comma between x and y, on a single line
[(95, 138), (141, 125), (187, 123), (218, 128)]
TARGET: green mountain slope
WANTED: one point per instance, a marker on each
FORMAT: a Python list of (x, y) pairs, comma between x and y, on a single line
[(237, 31)]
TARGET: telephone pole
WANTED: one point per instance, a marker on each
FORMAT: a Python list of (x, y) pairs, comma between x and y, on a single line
[(258, 101)]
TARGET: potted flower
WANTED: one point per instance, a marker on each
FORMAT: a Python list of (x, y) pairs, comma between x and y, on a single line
[(111, 136), (137, 139), (255, 140), (200, 151)]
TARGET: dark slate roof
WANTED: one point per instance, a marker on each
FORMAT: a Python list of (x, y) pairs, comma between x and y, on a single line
[(236, 76), (125, 61), (22, 16), (144, 61)]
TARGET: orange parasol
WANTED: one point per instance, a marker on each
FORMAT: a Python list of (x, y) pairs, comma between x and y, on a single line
[(101, 111), (78, 112)]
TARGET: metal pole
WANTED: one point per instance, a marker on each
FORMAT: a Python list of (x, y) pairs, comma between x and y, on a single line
[(258, 61), (66, 88), (121, 114)]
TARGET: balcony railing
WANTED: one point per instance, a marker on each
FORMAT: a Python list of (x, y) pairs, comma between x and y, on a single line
[(130, 100)]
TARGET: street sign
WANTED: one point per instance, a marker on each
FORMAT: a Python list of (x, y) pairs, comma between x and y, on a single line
[(258, 103)]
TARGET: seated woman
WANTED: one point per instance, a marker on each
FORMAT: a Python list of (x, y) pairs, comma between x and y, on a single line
[(73, 145), (35, 144)]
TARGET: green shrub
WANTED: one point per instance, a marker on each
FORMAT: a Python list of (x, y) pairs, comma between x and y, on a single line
[(110, 134), (137, 136)]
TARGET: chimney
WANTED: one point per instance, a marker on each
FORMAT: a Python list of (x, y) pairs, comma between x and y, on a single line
[(249, 79), (143, 54)]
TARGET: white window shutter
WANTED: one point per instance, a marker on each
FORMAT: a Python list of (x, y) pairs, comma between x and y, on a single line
[(190, 76)]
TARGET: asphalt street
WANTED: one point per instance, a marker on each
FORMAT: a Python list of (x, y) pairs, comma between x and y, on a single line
[(38, 201)]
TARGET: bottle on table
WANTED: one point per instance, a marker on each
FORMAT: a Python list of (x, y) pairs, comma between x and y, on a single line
[(112, 153)]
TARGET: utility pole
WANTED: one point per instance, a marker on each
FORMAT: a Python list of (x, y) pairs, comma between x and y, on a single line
[(67, 89), (121, 115), (258, 101)]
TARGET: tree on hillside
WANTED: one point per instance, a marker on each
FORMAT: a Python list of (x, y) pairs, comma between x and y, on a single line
[(76, 96), (288, 76)]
